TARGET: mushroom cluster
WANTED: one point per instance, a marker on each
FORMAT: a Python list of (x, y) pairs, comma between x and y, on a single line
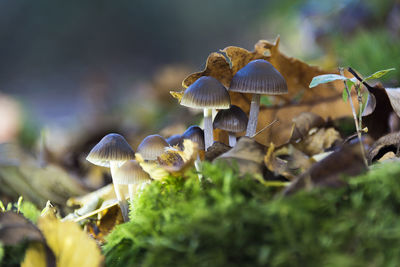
[(258, 77)]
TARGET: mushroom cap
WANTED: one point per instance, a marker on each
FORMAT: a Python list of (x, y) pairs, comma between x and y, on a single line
[(152, 147), (130, 173), (206, 92), (231, 120), (259, 77), (174, 140), (112, 147), (195, 134)]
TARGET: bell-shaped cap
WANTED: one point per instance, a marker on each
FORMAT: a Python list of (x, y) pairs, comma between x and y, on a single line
[(206, 92), (152, 147), (113, 147), (231, 120), (174, 140), (130, 173), (195, 134), (259, 77)]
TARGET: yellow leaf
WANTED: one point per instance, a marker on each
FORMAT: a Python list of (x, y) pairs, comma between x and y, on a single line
[(152, 168), (70, 245), (177, 95)]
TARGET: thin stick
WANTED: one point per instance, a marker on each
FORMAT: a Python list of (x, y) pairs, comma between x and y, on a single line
[(263, 129), (355, 120)]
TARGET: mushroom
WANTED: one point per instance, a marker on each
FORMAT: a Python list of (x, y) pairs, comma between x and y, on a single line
[(258, 77), (152, 147), (196, 135), (130, 173), (112, 151), (206, 93), (174, 140), (232, 120)]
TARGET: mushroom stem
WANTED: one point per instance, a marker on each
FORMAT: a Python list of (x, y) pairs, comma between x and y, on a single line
[(208, 128), (232, 139), (123, 204), (197, 163), (253, 116), (131, 188)]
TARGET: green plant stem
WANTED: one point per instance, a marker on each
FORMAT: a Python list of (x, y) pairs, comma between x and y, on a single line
[(355, 119)]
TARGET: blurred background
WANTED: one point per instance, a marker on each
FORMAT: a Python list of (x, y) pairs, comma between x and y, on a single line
[(73, 71)]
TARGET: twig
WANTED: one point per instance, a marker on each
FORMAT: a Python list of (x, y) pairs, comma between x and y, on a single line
[(263, 129)]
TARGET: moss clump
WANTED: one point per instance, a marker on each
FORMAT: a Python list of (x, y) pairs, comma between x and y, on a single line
[(239, 222)]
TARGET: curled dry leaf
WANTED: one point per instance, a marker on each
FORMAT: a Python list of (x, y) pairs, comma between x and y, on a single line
[(387, 143), (217, 149), (248, 155), (348, 160), (318, 141), (304, 123), (382, 110)]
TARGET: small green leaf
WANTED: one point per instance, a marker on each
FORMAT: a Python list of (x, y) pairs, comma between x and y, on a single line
[(266, 101), (378, 74), (2, 208), (326, 78), (345, 95)]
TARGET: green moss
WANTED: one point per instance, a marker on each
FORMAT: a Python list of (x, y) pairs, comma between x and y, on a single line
[(12, 255), (239, 222), (30, 211)]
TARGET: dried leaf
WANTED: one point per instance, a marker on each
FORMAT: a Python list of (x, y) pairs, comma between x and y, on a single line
[(318, 141), (70, 245), (15, 228), (248, 155), (216, 150), (303, 123), (217, 67), (330, 170), (389, 142), (177, 95), (380, 105)]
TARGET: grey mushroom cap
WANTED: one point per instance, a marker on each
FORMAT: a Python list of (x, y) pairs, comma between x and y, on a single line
[(232, 120), (152, 147), (174, 140), (206, 92), (112, 147), (195, 134), (259, 77), (130, 173)]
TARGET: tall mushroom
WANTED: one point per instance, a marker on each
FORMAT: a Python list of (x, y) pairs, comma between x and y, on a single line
[(232, 120), (258, 77), (206, 93), (130, 173), (112, 151)]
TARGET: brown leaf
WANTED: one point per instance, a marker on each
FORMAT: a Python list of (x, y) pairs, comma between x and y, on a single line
[(389, 142), (382, 104), (15, 228), (330, 170), (318, 141), (216, 150), (248, 155), (303, 123), (216, 67)]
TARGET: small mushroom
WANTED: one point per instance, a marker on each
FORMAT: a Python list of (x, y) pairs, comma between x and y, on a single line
[(152, 147), (174, 140), (112, 151), (130, 173), (232, 120), (258, 77), (195, 134), (206, 93)]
